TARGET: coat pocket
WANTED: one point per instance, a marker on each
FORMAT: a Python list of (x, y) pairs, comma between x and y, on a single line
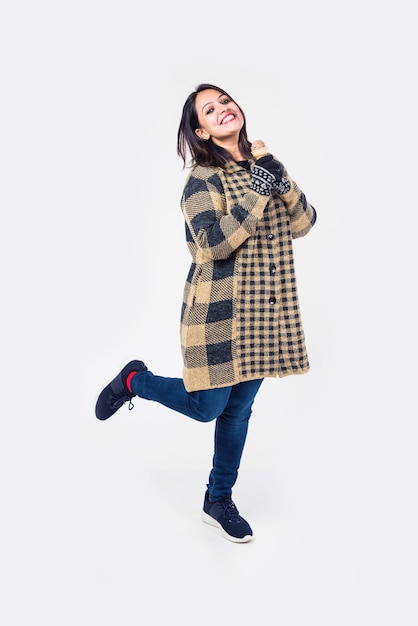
[(195, 284), (193, 287)]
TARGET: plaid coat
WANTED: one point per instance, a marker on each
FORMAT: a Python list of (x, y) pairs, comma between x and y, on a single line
[(240, 316)]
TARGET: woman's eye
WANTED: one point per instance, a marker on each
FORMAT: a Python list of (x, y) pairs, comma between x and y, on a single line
[(210, 110), (226, 101)]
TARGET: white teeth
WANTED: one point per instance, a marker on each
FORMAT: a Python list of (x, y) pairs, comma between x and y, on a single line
[(228, 118)]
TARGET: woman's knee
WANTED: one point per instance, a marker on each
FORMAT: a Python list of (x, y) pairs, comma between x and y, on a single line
[(209, 404)]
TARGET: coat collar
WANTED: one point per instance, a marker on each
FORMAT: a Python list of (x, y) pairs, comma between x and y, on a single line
[(232, 166)]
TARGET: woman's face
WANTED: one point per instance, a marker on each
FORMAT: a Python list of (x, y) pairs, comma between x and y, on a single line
[(219, 117)]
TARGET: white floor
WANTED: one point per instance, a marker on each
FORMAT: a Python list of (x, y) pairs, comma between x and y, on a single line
[(102, 523)]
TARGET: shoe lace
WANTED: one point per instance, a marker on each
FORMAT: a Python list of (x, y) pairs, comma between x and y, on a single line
[(116, 400), (230, 511)]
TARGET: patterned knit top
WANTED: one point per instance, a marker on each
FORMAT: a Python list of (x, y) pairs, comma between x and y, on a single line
[(240, 317)]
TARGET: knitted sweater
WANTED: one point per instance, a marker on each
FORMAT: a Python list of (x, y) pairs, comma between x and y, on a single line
[(240, 317)]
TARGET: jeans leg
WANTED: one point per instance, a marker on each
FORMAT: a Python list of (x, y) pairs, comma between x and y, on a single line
[(202, 406), (230, 435)]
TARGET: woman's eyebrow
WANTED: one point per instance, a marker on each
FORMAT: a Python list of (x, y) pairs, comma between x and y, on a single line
[(222, 95), (205, 105)]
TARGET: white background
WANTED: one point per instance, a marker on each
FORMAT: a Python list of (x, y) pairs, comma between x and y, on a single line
[(100, 522)]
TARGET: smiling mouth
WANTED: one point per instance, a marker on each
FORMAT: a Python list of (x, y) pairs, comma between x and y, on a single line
[(228, 118)]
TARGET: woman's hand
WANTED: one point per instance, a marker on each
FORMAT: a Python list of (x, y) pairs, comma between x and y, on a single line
[(262, 179), (280, 184)]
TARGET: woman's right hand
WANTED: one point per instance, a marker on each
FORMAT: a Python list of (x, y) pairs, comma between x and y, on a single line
[(262, 179), (269, 164)]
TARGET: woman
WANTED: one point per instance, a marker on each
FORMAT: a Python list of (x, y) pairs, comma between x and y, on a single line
[(240, 318)]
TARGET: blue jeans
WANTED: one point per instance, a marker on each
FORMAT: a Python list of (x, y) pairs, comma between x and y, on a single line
[(229, 406)]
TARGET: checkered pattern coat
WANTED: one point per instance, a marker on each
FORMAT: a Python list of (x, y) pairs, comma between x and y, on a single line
[(240, 317)]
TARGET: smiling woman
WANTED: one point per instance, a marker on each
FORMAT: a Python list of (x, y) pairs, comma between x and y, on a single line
[(220, 119), (240, 319)]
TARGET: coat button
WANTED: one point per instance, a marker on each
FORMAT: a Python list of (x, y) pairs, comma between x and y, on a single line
[(272, 300), (270, 236), (272, 268)]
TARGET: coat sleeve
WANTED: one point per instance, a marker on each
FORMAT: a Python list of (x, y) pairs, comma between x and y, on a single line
[(302, 214), (215, 232)]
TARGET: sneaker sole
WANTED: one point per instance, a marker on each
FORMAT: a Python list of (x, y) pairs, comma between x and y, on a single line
[(212, 522)]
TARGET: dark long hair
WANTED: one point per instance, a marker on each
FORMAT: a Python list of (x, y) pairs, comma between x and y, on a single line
[(205, 152)]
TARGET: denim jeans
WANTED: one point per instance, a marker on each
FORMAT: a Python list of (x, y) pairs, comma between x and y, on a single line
[(229, 406)]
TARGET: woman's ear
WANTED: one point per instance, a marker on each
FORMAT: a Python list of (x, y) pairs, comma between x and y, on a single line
[(202, 134)]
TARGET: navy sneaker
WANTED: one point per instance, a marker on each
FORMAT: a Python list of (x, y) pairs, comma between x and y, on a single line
[(116, 393), (224, 515)]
